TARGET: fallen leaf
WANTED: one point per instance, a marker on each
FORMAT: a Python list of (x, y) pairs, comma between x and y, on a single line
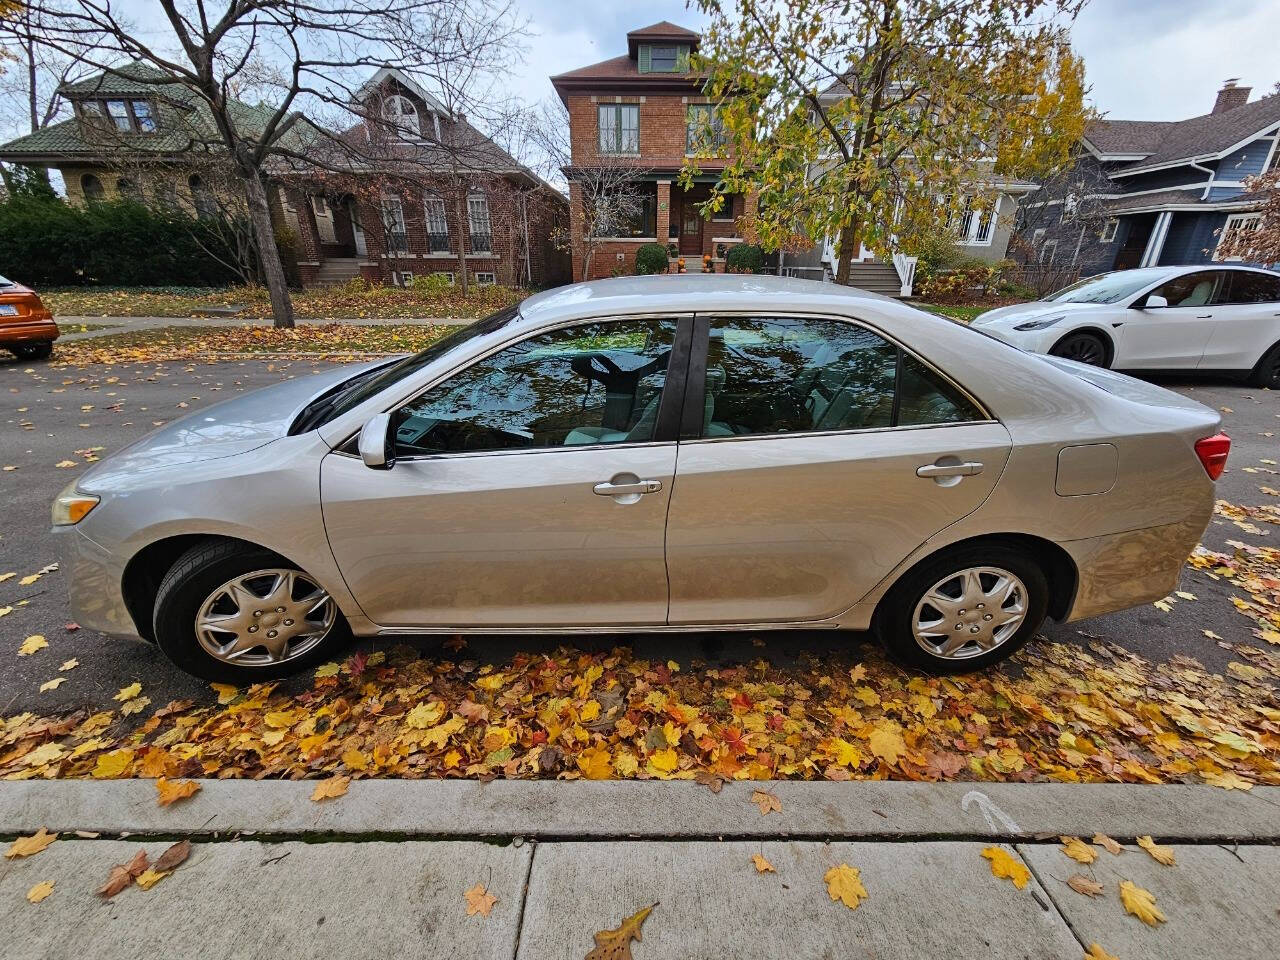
[(766, 801), (711, 781), (595, 763), (40, 891), (479, 900), (762, 865), (32, 644), (616, 944), (1158, 853), (1004, 865), (173, 857), (1095, 952), (129, 692), (149, 878), (69, 665), (1082, 884), (122, 875), (226, 692), (53, 684), (330, 789), (171, 791), (1102, 840), (29, 846), (887, 744), (63, 464), (1077, 850), (1140, 903), (136, 705), (1184, 595), (845, 884), (113, 764)]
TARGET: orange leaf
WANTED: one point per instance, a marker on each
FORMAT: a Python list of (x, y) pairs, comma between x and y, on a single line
[(171, 791)]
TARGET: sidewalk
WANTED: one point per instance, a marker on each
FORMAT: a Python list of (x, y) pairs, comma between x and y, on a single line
[(120, 325), (382, 871)]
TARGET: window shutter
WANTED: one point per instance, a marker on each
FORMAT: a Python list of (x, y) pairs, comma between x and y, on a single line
[(682, 59), (644, 58)]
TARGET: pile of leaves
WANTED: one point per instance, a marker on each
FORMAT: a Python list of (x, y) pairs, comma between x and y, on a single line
[(331, 341), (1054, 713)]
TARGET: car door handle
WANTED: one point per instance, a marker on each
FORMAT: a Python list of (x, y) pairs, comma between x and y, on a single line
[(1203, 316), (609, 489), (970, 469)]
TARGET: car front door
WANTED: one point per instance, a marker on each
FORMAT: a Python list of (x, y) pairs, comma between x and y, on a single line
[(819, 455), (1246, 323), (1171, 337), (530, 489)]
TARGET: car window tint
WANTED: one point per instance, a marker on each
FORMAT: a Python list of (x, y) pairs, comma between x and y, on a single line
[(593, 383), (924, 397), (1191, 289), (1250, 287)]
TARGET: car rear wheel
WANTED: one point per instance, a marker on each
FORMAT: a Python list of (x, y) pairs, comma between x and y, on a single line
[(1267, 372), (965, 609), (1083, 347), (238, 614), (34, 351)]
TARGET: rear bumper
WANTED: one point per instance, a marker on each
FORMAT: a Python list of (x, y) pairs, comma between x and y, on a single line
[(94, 578), (28, 330)]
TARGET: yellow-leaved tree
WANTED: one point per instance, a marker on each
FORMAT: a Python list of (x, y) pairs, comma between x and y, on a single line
[(881, 122)]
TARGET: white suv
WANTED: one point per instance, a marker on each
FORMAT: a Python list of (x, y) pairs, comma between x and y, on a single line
[(1219, 319)]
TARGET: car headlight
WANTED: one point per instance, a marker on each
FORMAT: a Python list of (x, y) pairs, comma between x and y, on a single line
[(1040, 322), (71, 506)]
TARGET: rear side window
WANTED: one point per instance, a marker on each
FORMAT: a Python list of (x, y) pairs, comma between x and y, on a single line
[(1250, 287), (772, 375)]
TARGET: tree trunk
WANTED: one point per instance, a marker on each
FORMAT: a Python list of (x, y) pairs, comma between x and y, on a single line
[(848, 244), (268, 254), (460, 210)]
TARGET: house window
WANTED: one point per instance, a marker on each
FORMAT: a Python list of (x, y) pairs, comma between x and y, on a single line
[(126, 116), (976, 227), (91, 187), (447, 276), (406, 278), (437, 224), (118, 111), (634, 217), (725, 213), (664, 59), (1109, 230), (401, 114), (393, 224), (92, 115), (704, 130), (619, 128), (202, 198), (1238, 223), (478, 223), (1048, 252), (484, 279), (143, 118)]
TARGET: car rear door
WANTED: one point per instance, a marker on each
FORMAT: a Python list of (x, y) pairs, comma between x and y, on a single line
[(530, 489), (1246, 322), (1171, 337), (815, 455)]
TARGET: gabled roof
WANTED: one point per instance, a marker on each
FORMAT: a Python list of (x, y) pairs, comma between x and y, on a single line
[(625, 70), (660, 31), (133, 78), (1128, 139), (374, 82)]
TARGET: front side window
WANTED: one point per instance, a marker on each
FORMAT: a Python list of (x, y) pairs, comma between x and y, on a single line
[(393, 224), (437, 224), (798, 375), (1191, 289), (664, 59), (593, 383), (118, 111), (1250, 287), (619, 128), (401, 114), (704, 130), (478, 222), (632, 213)]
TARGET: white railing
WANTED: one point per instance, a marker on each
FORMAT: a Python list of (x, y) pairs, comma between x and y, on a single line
[(906, 267)]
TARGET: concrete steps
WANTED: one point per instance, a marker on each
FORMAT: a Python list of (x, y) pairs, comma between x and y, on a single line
[(336, 271), (875, 277)]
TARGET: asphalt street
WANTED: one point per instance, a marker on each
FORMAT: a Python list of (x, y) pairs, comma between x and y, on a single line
[(53, 419)]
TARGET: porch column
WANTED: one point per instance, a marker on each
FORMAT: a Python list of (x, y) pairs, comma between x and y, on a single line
[(1155, 242), (663, 219), (309, 255), (577, 246)]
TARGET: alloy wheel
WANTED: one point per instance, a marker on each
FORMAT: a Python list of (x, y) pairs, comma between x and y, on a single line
[(969, 613), (264, 618), (1084, 349)]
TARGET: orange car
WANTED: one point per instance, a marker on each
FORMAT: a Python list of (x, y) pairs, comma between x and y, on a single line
[(26, 327)]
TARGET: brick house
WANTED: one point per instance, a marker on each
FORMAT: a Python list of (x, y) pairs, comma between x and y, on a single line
[(407, 190), (646, 109)]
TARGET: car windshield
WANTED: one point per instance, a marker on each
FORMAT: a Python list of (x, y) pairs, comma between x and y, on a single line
[(354, 391), (1107, 287)]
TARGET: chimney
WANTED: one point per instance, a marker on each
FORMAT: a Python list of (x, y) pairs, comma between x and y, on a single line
[(1231, 96)]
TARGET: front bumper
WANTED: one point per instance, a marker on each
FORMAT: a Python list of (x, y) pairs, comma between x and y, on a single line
[(1030, 341), (94, 577)]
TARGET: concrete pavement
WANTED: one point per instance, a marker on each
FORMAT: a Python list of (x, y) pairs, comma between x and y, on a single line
[(118, 325)]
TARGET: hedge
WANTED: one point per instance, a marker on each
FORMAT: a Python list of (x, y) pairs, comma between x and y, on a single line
[(651, 258), (744, 258), (46, 241)]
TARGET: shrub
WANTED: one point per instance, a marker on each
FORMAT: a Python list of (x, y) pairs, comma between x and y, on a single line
[(433, 284), (651, 258), (744, 258)]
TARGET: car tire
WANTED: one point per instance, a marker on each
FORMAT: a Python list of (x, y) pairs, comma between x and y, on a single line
[(1267, 372), (34, 351), (219, 582), (906, 617), (1083, 347)]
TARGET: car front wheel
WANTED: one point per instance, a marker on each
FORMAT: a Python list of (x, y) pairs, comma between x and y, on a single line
[(1267, 372), (234, 613), (965, 609), (1083, 347)]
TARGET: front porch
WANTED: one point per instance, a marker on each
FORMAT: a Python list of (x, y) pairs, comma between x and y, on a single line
[(1166, 238)]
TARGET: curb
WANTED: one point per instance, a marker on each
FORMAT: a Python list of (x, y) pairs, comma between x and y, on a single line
[(860, 810)]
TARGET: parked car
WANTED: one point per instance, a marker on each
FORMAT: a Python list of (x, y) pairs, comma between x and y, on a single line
[(665, 453), (1219, 320), (26, 327)]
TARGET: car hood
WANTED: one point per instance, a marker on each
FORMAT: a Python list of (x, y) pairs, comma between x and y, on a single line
[(1021, 312), (233, 426)]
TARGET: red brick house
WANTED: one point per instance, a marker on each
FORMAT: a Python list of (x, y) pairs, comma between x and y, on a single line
[(647, 109)]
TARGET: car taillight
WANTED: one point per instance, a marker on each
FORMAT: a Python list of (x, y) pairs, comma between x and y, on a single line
[(1212, 452)]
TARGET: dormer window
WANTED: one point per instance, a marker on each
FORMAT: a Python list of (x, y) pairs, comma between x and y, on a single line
[(663, 58), (400, 112), (123, 116)]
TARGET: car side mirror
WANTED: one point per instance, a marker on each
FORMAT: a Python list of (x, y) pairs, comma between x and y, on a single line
[(376, 446), (1154, 301)]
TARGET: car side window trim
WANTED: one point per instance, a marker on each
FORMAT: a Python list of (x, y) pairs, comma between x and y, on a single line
[(695, 383)]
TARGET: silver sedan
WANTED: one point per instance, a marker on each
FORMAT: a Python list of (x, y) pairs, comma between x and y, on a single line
[(651, 454)]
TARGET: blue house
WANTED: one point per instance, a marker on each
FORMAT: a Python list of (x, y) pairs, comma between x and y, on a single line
[(1147, 193)]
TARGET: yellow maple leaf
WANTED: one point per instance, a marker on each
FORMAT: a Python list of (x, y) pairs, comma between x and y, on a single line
[(354, 760), (53, 684), (845, 884), (664, 760), (616, 944), (766, 801), (1095, 952), (32, 644), (171, 791), (425, 715), (69, 665), (30, 846), (1004, 865), (1158, 853), (1227, 780), (136, 705), (590, 710), (330, 789), (887, 744), (479, 900), (846, 754), (595, 763), (762, 865), (1141, 903), (112, 764), (129, 692), (150, 877), (226, 692), (40, 891), (1077, 850)]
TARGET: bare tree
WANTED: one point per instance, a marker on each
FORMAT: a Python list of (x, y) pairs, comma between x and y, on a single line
[(294, 56)]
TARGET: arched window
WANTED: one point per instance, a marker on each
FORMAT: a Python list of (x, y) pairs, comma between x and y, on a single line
[(91, 186), (402, 114), (202, 197), (127, 189)]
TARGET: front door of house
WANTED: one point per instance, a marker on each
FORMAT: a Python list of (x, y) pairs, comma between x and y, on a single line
[(357, 231), (690, 228)]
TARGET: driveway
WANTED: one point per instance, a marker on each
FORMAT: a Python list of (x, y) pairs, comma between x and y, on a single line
[(51, 415)]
